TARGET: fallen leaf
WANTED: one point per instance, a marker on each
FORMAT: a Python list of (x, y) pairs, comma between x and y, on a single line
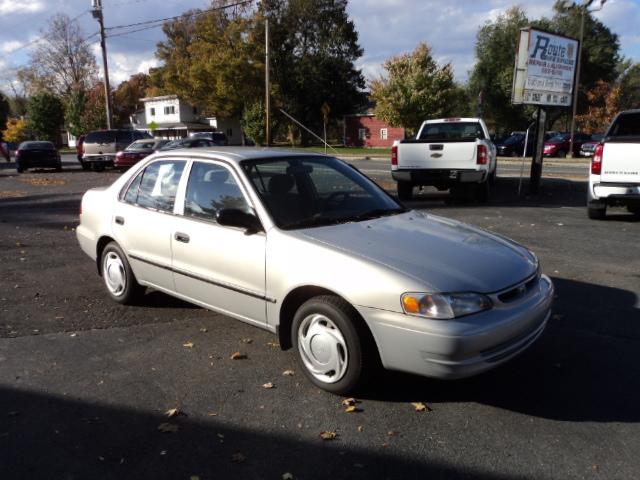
[(288, 373), (393, 433), (348, 402), (212, 414), (204, 330), (352, 409), (188, 345), (360, 428), (238, 356), (268, 385), (247, 340), (328, 435), (172, 412), (238, 457), (273, 345), (168, 427), (287, 476), (421, 407)]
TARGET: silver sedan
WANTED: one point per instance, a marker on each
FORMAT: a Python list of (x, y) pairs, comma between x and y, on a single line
[(310, 249)]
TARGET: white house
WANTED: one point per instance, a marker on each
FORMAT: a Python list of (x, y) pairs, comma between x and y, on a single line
[(175, 118)]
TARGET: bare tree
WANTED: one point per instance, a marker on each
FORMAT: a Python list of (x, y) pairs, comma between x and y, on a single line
[(62, 60)]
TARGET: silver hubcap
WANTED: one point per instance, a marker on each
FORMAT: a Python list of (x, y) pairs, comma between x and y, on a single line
[(114, 275), (322, 348)]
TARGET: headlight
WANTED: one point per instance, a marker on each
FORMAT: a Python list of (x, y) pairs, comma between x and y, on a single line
[(444, 305)]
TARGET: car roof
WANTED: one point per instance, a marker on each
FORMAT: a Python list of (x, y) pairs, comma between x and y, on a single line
[(237, 154)]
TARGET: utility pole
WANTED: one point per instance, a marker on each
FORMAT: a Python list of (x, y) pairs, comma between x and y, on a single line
[(97, 14), (267, 101)]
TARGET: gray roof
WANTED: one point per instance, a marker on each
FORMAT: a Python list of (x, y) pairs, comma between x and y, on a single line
[(237, 154)]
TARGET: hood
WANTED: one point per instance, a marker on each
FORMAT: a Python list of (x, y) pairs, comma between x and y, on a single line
[(445, 255)]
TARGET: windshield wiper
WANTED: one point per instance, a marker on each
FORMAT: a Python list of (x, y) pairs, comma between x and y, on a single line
[(314, 221), (376, 213)]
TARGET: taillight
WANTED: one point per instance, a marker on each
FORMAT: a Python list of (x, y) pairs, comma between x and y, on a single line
[(394, 156), (483, 155), (18, 152), (596, 160)]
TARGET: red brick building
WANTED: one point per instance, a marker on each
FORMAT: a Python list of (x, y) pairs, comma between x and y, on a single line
[(365, 130)]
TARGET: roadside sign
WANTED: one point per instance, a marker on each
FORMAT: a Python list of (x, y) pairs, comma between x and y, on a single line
[(545, 69), (326, 110)]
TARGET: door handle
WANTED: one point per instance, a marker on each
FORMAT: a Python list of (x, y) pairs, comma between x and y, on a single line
[(181, 237), (120, 220)]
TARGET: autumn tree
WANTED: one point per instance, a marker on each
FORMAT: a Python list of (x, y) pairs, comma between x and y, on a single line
[(45, 113), (415, 88), (62, 61), (604, 101), (94, 114), (5, 109), (126, 98), (16, 131)]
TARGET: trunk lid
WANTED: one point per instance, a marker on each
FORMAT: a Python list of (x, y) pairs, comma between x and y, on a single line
[(621, 162), (421, 154)]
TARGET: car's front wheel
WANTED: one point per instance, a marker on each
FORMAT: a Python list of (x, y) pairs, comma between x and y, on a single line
[(118, 277), (333, 345)]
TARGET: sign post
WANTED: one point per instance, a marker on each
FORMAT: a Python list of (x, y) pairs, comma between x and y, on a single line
[(544, 75), (325, 109)]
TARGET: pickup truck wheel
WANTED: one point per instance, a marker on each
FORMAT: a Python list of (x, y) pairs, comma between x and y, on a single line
[(597, 213), (333, 346), (118, 277), (483, 191), (405, 190)]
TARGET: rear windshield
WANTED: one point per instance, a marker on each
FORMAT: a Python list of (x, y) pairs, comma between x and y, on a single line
[(626, 126), (100, 137), (452, 132), (36, 146)]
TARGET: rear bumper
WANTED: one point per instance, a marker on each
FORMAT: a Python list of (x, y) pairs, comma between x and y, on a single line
[(463, 347), (614, 193), (106, 159), (439, 177)]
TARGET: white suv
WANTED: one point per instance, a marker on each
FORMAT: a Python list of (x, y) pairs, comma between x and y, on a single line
[(615, 167)]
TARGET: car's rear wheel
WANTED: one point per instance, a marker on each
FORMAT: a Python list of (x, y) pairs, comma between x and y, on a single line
[(597, 213), (333, 345), (561, 154), (405, 190), (118, 277)]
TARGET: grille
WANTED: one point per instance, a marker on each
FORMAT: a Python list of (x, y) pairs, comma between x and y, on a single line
[(519, 291)]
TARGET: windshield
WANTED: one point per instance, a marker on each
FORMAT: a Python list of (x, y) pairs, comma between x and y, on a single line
[(451, 132), (36, 146), (303, 192), (514, 139), (596, 137), (559, 138)]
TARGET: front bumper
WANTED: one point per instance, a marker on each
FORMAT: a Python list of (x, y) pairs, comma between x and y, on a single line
[(463, 347)]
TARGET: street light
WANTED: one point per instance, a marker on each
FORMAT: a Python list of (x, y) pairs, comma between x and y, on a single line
[(584, 8)]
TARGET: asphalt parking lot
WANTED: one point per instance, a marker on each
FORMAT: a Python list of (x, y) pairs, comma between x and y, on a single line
[(85, 383)]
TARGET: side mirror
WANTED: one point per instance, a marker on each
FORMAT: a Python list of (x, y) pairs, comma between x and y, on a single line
[(233, 217)]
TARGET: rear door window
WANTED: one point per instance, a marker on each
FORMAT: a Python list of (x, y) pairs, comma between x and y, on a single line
[(105, 136), (156, 186), (452, 132)]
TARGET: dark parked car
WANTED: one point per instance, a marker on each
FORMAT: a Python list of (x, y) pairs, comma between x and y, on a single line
[(514, 146), (137, 151), (189, 143), (587, 148), (219, 137), (559, 145), (37, 154)]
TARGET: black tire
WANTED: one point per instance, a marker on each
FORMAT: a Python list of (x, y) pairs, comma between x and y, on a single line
[(59, 167), (84, 165), (119, 270), (561, 154), (405, 190), (493, 176), (597, 213), (97, 167), (20, 169), (359, 351), (483, 191)]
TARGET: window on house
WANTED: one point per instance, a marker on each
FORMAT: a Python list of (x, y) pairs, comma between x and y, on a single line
[(362, 134), (383, 134), (152, 111), (169, 110)]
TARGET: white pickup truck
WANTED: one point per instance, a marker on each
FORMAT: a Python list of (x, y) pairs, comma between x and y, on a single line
[(448, 153), (615, 167)]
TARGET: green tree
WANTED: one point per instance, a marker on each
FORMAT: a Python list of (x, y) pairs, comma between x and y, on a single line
[(73, 112), (492, 75), (253, 122), (94, 116), (630, 86), (45, 113), (414, 89), (314, 50)]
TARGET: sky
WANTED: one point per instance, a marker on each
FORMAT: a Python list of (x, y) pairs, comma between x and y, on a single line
[(386, 28)]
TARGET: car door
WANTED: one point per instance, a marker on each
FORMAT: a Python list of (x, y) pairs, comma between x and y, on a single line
[(143, 221), (218, 266)]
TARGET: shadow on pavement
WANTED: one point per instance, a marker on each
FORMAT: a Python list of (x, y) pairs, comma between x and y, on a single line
[(43, 436), (584, 367)]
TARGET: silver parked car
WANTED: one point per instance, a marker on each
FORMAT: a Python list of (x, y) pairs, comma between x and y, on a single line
[(307, 247)]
